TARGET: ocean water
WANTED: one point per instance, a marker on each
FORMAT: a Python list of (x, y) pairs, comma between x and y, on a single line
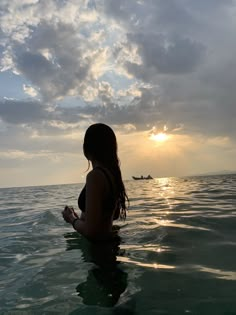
[(176, 253)]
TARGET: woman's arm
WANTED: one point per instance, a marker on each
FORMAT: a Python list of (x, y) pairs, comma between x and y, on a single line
[(78, 224)]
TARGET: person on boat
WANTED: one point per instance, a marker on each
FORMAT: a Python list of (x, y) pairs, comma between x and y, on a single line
[(103, 198)]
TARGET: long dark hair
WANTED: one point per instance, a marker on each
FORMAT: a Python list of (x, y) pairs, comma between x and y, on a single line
[(100, 144)]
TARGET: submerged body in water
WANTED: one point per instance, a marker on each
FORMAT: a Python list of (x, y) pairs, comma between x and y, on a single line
[(105, 281)]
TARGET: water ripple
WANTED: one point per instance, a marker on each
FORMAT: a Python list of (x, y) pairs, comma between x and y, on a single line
[(176, 253)]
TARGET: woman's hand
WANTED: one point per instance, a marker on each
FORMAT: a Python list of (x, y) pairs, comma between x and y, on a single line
[(69, 214)]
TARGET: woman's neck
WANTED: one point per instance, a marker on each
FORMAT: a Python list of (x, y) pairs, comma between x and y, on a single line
[(96, 164)]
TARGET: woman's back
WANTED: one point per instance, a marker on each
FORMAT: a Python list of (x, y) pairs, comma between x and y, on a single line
[(111, 197)]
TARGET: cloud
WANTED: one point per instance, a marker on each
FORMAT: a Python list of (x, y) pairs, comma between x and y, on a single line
[(68, 69), (20, 112), (160, 55), (132, 64), (35, 113), (30, 90), (179, 48), (56, 47)]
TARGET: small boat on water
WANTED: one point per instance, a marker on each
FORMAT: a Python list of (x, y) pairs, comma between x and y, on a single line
[(142, 177)]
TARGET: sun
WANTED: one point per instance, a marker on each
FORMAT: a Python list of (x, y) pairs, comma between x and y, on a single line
[(159, 137)]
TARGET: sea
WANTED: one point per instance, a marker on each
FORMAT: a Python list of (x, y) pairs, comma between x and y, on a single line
[(174, 254)]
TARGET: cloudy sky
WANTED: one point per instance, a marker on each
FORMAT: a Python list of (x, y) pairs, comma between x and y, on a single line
[(162, 73)]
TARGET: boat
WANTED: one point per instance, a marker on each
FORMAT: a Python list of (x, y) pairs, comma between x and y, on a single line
[(142, 177)]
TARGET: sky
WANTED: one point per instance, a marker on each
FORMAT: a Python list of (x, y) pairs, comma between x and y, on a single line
[(161, 73)]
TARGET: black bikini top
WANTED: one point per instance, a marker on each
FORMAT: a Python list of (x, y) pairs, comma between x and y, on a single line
[(111, 199)]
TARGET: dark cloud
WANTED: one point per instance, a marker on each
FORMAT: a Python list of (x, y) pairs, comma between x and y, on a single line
[(142, 112), (52, 61), (209, 5), (159, 54), (33, 112), (20, 112)]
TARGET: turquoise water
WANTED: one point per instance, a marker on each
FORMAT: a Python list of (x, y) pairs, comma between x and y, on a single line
[(176, 253)]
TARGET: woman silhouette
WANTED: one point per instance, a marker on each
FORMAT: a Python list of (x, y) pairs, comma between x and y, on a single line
[(103, 198)]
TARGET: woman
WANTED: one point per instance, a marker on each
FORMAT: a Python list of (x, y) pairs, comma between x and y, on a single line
[(103, 199)]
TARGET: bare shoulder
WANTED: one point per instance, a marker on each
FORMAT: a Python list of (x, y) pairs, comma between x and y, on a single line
[(95, 189), (95, 177)]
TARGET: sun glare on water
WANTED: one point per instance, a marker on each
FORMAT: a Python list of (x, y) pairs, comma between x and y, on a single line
[(159, 137)]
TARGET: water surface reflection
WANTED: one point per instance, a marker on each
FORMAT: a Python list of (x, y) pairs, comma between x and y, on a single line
[(106, 280)]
